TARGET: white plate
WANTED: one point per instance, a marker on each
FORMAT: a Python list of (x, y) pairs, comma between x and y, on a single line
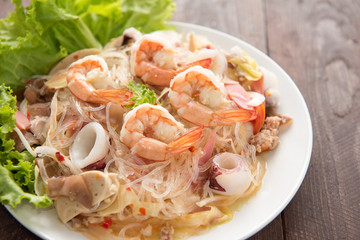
[(287, 165)]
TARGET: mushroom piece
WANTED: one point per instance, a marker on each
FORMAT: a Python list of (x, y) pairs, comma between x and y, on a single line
[(79, 193), (229, 174), (90, 145), (74, 187)]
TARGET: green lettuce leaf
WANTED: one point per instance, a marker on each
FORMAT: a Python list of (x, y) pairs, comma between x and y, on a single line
[(7, 121), (141, 95), (145, 15), (23, 50), (12, 194), (17, 174), (22, 166), (34, 38)]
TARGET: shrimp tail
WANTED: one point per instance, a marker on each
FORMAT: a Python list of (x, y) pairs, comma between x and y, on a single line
[(228, 117), (205, 63), (157, 76), (117, 96), (186, 141)]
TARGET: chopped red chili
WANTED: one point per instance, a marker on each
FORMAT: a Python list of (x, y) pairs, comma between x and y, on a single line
[(128, 188), (107, 223), (59, 157), (142, 211), (192, 149)]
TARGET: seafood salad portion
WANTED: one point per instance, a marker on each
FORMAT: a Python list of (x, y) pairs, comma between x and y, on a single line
[(156, 136)]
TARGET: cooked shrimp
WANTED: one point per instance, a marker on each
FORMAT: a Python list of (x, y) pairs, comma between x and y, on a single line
[(148, 130), (82, 75), (200, 98), (153, 60)]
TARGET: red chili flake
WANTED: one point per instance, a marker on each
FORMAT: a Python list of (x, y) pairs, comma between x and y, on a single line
[(107, 223), (128, 188), (208, 46), (59, 157), (27, 81), (263, 148), (142, 211), (76, 57), (28, 115), (192, 149)]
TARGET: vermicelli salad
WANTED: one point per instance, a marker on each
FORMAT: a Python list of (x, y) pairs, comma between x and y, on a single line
[(156, 136)]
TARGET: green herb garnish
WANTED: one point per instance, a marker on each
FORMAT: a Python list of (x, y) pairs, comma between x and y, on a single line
[(141, 95)]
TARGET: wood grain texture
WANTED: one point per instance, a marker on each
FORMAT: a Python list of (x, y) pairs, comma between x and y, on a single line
[(243, 19), (11, 229), (316, 42)]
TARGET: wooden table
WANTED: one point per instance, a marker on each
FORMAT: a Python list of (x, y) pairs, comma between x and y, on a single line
[(317, 43)]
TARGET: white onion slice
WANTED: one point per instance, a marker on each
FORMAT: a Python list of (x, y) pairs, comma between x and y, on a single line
[(256, 99), (24, 106), (58, 81), (25, 142), (90, 145), (229, 174), (43, 151)]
